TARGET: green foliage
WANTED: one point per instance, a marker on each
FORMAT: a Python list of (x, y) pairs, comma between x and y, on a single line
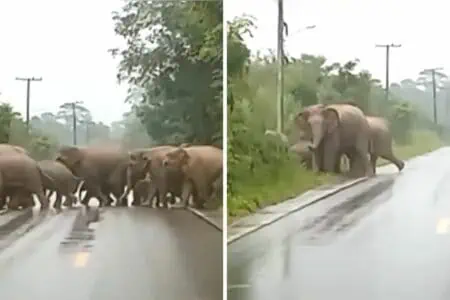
[(7, 115), (260, 172), (402, 122), (173, 62)]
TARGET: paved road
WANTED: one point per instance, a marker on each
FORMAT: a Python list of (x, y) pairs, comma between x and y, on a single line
[(390, 245), (114, 253)]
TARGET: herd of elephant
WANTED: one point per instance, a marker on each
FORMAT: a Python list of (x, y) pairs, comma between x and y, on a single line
[(329, 132), (158, 175)]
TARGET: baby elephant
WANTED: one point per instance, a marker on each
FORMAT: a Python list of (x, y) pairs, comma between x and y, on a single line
[(64, 182), (301, 148), (381, 143)]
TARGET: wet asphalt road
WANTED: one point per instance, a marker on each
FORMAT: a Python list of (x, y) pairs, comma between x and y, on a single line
[(113, 253), (390, 245)]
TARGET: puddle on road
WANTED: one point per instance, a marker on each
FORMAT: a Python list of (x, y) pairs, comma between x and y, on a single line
[(81, 237)]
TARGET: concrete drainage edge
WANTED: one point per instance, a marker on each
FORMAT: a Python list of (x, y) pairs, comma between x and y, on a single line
[(301, 206), (203, 217)]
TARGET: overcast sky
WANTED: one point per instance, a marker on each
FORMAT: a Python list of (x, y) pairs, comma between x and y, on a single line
[(65, 43), (348, 29)]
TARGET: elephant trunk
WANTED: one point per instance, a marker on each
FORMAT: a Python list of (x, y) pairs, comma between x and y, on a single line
[(317, 137)]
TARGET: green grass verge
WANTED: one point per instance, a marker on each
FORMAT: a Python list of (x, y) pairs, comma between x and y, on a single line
[(264, 190)]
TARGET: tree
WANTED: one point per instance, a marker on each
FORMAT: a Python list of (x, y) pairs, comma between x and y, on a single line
[(174, 59), (7, 115)]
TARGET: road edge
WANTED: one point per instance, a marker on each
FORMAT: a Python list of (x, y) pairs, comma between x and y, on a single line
[(205, 218), (301, 205)]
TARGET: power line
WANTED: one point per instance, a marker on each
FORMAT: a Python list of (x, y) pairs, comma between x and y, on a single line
[(388, 48), (28, 80)]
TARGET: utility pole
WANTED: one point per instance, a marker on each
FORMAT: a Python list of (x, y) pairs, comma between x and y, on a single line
[(28, 80), (74, 122), (280, 75), (388, 48), (88, 137), (434, 87)]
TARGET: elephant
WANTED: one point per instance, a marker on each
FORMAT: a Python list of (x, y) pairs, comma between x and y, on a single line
[(148, 162), (103, 170), (21, 171), (201, 166), (65, 183), (335, 130), (8, 149), (381, 142), (301, 148)]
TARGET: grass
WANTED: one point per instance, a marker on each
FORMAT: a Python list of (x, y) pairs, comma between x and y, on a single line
[(264, 190)]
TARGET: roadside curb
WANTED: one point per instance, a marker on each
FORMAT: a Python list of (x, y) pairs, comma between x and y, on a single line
[(322, 195), (204, 217), (301, 205)]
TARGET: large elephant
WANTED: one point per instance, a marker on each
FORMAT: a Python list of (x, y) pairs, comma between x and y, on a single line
[(381, 142), (65, 183), (335, 130), (103, 169), (201, 166), (21, 171), (149, 161)]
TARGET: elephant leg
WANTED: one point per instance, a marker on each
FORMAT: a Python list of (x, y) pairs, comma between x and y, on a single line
[(85, 200), (57, 204), (137, 198), (152, 194), (186, 191), (162, 197), (97, 192), (45, 203), (361, 164), (14, 202), (373, 162), (2, 201), (70, 201), (397, 162)]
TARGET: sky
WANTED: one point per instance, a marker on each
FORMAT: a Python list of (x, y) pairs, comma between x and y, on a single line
[(348, 29), (65, 43)]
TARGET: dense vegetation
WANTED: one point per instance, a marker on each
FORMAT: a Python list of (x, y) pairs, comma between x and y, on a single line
[(173, 63), (260, 172)]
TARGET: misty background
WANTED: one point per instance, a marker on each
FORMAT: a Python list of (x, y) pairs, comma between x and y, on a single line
[(166, 95)]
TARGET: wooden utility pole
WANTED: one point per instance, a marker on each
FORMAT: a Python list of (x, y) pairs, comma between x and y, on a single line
[(28, 80), (280, 75), (74, 122), (434, 90), (388, 48)]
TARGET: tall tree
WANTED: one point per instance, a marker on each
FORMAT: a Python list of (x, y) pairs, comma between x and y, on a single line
[(174, 55)]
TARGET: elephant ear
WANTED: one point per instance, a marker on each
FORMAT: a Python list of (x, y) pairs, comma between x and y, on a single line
[(182, 156), (301, 119), (331, 119)]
